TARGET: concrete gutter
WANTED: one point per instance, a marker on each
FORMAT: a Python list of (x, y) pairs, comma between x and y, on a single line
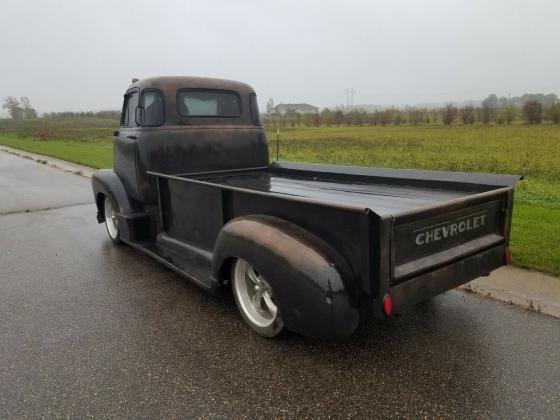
[(529, 289), (526, 288), (64, 165)]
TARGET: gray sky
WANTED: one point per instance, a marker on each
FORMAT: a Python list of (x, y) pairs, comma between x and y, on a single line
[(81, 55)]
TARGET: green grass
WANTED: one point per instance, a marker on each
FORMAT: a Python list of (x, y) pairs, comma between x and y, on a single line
[(534, 237), (532, 151), (96, 155), (87, 141)]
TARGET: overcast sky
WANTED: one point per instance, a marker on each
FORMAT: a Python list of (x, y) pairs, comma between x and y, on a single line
[(81, 55)]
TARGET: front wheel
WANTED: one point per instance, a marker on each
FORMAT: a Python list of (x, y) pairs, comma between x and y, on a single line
[(255, 300), (111, 221)]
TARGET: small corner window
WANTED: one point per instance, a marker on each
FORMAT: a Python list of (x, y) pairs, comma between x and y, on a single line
[(255, 115), (129, 109), (208, 103), (152, 102)]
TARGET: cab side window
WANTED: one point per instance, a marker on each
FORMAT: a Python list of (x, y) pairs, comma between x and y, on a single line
[(129, 109), (152, 102)]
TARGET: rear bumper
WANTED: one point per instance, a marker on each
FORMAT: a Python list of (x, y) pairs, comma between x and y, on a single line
[(445, 278)]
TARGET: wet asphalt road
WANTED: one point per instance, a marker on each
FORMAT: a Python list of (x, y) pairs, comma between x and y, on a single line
[(90, 329)]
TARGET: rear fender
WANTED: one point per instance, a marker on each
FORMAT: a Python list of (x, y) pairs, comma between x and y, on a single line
[(311, 281)]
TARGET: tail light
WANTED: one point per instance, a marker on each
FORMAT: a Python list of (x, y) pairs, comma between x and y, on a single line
[(387, 306), (507, 256)]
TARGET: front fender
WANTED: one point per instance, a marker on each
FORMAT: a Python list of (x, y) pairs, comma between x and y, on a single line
[(134, 223), (312, 282)]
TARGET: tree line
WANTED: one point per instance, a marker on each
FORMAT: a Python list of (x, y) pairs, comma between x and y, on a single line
[(112, 115), (532, 108), (21, 109)]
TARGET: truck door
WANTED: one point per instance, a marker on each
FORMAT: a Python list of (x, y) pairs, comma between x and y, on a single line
[(125, 144)]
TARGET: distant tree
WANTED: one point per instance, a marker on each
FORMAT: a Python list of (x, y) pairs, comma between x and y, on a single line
[(297, 118), (316, 119), (553, 113), (269, 106), (327, 117), (398, 118), (544, 100), (415, 116), (488, 110), (307, 119), (356, 117), (449, 114), (532, 111), (349, 118), (436, 114), (28, 111), (14, 107), (509, 113), (467, 114), (386, 117), (485, 114), (377, 116), (492, 101), (338, 117), (371, 118)]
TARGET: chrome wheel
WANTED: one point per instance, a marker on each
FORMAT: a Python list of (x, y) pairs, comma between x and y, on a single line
[(255, 299), (111, 220)]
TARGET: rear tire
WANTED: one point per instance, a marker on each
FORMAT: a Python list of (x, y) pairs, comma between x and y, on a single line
[(111, 220), (255, 300)]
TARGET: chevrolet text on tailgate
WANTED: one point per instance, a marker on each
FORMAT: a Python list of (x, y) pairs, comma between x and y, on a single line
[(314, 249)]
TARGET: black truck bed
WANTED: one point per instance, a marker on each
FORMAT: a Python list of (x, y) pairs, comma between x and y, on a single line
[(384, 191), (380, 197)]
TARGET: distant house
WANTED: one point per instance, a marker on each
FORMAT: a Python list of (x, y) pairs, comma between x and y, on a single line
[(299, 108)]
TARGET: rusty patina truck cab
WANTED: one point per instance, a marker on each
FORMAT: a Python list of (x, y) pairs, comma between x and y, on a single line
[(311, 248)]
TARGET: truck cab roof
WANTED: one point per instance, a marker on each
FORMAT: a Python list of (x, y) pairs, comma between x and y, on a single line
[(174, 90), (170, 84)]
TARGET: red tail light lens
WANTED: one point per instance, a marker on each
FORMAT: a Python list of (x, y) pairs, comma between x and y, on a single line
[(387, 306), (507, 256)]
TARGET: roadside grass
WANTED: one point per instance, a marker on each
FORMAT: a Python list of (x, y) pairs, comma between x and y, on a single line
[(532, 151), (95, 155), (534, 237)]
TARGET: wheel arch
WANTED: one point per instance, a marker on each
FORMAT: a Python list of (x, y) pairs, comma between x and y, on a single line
[(314, 286), (106, 183)]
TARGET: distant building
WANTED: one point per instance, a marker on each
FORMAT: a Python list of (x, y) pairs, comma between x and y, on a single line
[(299, 108)]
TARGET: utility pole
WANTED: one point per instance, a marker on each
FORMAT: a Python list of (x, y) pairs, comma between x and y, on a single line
[(349, 98)]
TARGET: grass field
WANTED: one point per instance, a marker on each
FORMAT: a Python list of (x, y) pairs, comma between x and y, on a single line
[(533, 151)]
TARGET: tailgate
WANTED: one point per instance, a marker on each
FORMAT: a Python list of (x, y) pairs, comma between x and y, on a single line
[(427, 239)]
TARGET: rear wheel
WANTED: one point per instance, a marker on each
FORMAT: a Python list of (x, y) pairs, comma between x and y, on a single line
[(255, 299), (111, 221)]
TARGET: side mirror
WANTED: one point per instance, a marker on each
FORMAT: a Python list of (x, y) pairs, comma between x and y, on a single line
[(139, 115)]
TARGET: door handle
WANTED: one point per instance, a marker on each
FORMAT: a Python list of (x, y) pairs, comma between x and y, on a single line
[(131, 137)]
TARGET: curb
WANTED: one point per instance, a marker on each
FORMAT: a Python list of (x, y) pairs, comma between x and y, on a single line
[(64, 165), (528, 289)]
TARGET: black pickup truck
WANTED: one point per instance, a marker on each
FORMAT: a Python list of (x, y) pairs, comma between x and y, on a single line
[(311, 248)]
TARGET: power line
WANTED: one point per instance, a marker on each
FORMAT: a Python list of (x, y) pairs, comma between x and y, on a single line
[(349, 98)]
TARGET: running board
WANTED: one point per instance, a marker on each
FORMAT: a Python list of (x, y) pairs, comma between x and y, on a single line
[(199, 271)]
